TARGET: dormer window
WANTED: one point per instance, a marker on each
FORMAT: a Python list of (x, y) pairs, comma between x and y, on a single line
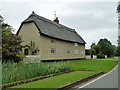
[(52, 41), (76, 44)]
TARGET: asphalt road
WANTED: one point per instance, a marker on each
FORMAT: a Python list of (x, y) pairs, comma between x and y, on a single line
[(109, 80)]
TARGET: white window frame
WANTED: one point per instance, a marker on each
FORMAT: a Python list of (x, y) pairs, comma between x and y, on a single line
[(76, 52), (76, 44), (53, 50)]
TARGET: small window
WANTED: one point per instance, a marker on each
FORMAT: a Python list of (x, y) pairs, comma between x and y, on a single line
[(68, 51), (75, 52), (82, 52), (53, 50), (52, 41), (76, 44)]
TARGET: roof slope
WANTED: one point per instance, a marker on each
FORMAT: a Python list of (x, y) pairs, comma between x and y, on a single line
[(54, 30)]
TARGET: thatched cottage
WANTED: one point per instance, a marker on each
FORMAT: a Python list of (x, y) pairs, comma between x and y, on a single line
[(55, 41)]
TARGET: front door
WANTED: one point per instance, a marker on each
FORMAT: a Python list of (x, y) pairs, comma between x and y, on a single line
[(26, 51)]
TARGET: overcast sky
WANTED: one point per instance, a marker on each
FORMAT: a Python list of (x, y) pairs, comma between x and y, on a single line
[(92, 20)]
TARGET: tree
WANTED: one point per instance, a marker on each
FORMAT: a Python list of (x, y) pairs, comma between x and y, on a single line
[(11, 44), (106, 47), (118, 51), (118, 7), (96, 48), (118, 10)]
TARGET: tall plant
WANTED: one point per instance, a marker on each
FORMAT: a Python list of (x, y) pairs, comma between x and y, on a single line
[(32, 47)]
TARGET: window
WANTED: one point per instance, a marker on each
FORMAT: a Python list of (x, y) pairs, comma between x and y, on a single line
[(82, 52), (53, 50), (68, 51), (52, 41), (76, 44), (75, 52)]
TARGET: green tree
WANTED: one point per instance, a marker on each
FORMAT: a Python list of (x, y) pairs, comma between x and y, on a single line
[(11, 44), (118, 51), (96, 48), (118, 8), (106, 47)]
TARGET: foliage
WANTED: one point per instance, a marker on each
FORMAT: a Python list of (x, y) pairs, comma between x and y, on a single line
[(118, 8), (18, 71), (10, 47), (10, 43), (32, 47), (97, 49), (92, 52), (52, 82), (87, 52), (118, 51), (106, 47), (100, 56), (20, 56)]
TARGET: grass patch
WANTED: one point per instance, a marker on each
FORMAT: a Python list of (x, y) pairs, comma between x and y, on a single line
[(56, 81), (92, 64), (110, 58)]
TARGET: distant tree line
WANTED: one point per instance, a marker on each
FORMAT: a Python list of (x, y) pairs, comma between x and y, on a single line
[(103, 47)]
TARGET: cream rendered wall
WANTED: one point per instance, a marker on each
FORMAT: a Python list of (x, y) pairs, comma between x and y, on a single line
[(61, 49), (30, 32)]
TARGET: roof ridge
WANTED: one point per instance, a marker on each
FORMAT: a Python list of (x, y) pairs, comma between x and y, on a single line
[(52, 22)]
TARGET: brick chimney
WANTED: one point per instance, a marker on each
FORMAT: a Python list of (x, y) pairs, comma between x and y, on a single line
[(56, 20)]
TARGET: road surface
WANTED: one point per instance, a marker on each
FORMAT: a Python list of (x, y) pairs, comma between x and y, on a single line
[(109, 80)]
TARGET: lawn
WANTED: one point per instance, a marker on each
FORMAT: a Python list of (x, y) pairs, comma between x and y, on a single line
[(52, 82), (93, 64), (56, 81)]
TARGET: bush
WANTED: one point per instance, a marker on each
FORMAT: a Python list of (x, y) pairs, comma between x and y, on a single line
[(20, 56), (87, 52), (100, 56)]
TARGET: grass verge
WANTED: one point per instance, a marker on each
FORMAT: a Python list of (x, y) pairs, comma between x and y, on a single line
[(56, 81), (93, 64)]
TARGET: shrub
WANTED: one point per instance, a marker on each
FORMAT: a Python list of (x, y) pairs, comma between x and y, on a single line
[(100, 56), (20, 56)]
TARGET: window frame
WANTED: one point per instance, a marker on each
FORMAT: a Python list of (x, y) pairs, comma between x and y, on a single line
[(75, 52), (81, 52), (53, 41), (76, 44), (53, 50), (68, 51)]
